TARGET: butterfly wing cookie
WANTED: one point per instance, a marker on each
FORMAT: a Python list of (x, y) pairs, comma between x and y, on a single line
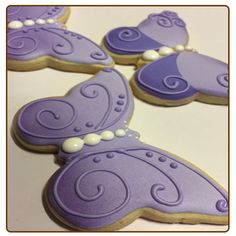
[(181, 78), (110, 178), (158, 35), (34, 43), (24, 13)]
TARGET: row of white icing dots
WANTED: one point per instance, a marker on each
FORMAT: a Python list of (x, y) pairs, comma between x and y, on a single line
[(152, 55), (75, 144), (16, 24)]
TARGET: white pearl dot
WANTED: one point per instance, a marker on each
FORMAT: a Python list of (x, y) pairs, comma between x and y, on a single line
[(29, 23), (188, 48), (71, 145), (150, 55), (15, 24), (107, 135), (164, 51), (120, 133), (40, 21), (179, 48), (92, 139), (50, 21)]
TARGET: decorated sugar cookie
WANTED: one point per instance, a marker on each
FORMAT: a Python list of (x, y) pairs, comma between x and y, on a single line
[(27, 14), (110, 177), (157, 36), (36, 39), (181, 78)]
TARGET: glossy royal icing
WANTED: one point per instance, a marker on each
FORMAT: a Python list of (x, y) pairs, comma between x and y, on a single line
[(104, 182)]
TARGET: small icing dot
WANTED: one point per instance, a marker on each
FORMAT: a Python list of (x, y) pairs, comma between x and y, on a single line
[(164, 51), (29, 23), (96, 159), (118, 109), (120, 133), (92, 139), (50, 21), (77, 129), (89, 124), (179, 48), (71, 145), (120, 102), (173, 165), (110, 155), (149, 154), (129, 135), (73, 34), (122, 96), (162, 159), (150, 55), (15, 24), (107, 135), (40, 21)]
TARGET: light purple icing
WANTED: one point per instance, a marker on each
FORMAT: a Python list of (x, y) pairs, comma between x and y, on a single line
[(103, 183), (32, 42), (164, 29), (182, 75), (205, 74), (22, 13)]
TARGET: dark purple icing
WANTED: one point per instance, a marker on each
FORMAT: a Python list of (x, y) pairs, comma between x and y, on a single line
[(130, 40), (182, 75), (36, 41), (164, 29), (96, 187), (22, 13)]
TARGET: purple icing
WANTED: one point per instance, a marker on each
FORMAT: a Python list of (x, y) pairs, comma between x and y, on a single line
[(163, 79), (135, 41), (103, 183), (164, 29), (22, 13), (182, 75), (36, 41)]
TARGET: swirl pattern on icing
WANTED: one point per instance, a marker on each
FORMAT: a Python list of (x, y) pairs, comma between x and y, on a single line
[(101, 191), (21, 45), (63, 46), (93, 93), (160, 187), (99, 55), (129, 34), (222, 205), (222, 79), (31, 42), (48, 118), (167, 19)]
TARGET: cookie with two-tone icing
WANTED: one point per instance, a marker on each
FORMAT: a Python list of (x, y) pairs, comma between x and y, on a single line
[(181, 78), (157, 36), (110, 177), (37, 39)]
